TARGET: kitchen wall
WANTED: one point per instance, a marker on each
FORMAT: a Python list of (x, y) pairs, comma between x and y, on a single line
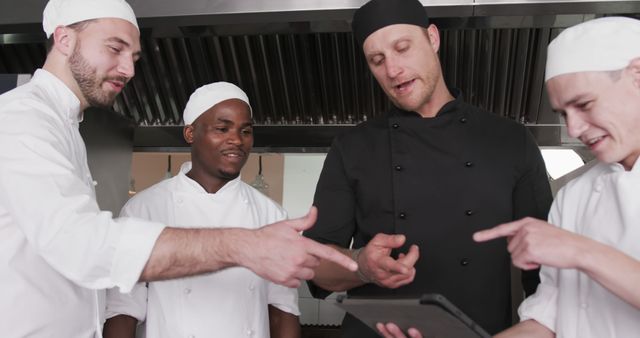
[(301, 172)]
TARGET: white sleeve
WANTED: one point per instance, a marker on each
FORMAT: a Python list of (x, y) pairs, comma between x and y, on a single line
[(284, 298), (55, 208), (542, 306), (133, 304)]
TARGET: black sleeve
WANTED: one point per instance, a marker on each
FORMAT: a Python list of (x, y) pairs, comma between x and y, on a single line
[(532, 197), (335, 200)]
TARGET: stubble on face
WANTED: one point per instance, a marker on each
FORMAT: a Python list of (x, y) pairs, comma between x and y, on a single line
[(90, 83), (412, 85), (228, 175), (421, 96)]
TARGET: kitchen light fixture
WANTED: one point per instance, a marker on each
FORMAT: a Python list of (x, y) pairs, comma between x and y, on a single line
[(258, 182)]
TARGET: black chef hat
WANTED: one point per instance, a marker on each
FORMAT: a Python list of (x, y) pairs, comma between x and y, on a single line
[(377, 14)]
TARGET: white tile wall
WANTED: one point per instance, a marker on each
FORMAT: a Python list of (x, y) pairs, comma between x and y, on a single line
[(301, 173)]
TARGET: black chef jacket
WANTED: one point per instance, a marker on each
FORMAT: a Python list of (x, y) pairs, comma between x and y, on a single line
[(437, 181)]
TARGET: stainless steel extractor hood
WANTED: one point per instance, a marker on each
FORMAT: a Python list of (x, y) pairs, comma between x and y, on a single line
[(301, 68)]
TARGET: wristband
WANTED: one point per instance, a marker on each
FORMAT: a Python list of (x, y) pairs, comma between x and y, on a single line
[(355, 255)]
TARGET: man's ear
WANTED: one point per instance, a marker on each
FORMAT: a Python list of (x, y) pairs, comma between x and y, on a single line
[(187, 133), (434, 37), (634, 70), (64, 40)]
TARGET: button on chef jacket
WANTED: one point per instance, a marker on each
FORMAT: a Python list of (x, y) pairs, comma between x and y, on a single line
[(56, 246), (437, 181), (228, 303), (602, 204)]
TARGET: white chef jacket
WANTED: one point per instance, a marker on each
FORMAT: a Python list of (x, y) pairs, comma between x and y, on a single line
[(56, 246), (227, 303), (603, 204)]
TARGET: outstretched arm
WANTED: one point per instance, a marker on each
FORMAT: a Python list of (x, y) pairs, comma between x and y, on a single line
[(276, 252), (533, 242)]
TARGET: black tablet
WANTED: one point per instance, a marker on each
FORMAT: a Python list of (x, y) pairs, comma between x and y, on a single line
[(432, 314)]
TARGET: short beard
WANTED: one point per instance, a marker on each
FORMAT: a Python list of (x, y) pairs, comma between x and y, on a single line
[(88, 81), (228, 176), (430, 87)]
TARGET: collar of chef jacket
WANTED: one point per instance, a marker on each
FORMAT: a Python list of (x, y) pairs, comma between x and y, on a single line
[(68, 103)]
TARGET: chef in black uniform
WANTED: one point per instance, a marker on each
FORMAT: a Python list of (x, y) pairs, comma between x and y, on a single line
[(411, 187)]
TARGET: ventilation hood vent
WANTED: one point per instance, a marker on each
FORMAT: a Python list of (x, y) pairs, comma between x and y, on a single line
[(301, 68)]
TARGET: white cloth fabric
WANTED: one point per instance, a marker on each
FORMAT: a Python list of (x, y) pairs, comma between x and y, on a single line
[(56, 246), (603, 204), (603, 44), (66, 12), (208, 96), (228, 303)]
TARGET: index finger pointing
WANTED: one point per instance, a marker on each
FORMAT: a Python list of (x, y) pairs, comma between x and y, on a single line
[(330, 254), (502, 230)]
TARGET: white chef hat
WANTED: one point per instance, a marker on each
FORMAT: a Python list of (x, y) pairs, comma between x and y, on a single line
[(208, 96), (603, 44), (67, 12)]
